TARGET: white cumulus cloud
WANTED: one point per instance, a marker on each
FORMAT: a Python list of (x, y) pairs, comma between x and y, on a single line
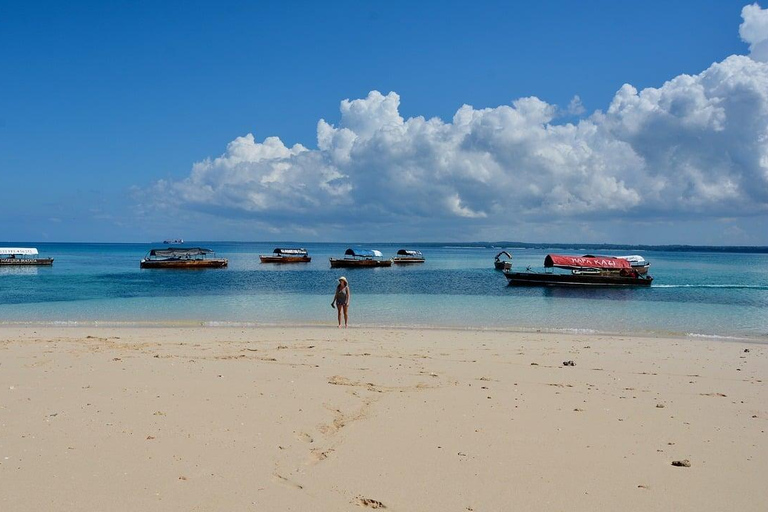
[(695, 146), (754, 30)]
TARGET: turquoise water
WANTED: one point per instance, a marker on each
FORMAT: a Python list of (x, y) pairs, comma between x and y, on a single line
[(695, 293)]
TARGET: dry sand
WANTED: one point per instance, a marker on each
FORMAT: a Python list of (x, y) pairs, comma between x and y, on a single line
[(197, 419)]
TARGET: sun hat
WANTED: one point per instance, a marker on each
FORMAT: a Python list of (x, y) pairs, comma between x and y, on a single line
[(342, 278)]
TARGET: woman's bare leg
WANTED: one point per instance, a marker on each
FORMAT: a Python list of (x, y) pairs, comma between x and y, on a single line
[(339, 308), (346, 316)]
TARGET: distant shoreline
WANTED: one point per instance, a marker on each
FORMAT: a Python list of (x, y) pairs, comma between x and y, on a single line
[(742, 249)]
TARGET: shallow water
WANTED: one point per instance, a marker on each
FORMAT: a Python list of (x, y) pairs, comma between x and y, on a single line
[(696, 293)]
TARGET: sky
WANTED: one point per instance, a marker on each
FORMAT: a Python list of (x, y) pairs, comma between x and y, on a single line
[(557, 121)]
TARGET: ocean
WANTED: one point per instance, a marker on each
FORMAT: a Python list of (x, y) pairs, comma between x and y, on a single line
[(697, 293)]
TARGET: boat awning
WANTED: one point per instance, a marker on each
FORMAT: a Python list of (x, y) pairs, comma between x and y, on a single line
[(363, 253), (409, 252), (21, 251), (503, 253), (605, 262), (634, 259), (291, 252), (180, 252)]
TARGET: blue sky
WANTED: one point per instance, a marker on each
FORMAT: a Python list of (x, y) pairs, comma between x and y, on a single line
[(106, 107)]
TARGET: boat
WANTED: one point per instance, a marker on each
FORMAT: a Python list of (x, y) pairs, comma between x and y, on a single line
[(22, 256), (281, 255), (638, 263), (182, 257), (360, 258), (580, 271), (405, 256), (500, 264), (173, 241)]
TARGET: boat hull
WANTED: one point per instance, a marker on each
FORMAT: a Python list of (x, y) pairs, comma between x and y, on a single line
[(285, 259), (349, 263), (407, 261), (502, 265), (536, 279), (186, 264), (26, 261)]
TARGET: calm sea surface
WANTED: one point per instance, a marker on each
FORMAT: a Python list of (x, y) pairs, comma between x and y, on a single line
[(694, 293)]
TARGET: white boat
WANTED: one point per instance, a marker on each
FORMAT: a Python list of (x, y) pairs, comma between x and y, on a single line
[(22, 256)]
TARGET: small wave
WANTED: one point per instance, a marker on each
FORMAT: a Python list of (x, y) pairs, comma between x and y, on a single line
[(219, 323), (715, 336), (723, 286)]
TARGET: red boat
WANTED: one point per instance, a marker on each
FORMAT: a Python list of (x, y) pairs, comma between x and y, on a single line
[(584, 271)]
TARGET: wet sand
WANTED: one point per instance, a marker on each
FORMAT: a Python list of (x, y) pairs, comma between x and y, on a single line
[(321, 419)]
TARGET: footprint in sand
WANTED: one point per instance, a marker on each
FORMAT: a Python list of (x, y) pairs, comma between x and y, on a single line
[(369, 503), (317, 454), (285, 481), (304, 437)]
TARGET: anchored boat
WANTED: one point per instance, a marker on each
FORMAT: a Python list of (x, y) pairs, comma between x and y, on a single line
[(501, 264), (405, 256), (581, 271), (182, 257), (360, 258), (281, 255), (22, 256)]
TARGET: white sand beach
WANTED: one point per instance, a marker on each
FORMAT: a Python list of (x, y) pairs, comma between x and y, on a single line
[(197, 419)]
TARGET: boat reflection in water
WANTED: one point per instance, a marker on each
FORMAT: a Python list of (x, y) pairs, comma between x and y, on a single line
[(581, 271)]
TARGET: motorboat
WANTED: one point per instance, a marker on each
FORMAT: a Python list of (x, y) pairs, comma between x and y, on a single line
[(502, 264), (562, 270), (638, 263), (362, 258), (283, 255), (22, 256), (406, 256), (182, 257)]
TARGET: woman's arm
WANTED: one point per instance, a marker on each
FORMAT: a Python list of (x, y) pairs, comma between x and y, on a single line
[(349, 295)]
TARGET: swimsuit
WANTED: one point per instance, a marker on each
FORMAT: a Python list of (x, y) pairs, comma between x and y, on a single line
[(341, 297)]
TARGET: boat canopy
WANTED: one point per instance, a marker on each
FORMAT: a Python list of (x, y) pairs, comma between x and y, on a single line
[(634, 259), (291, 252), (605, 262), (408, 252), (21, 251), (179, 252), (503, 253), (363, 253)]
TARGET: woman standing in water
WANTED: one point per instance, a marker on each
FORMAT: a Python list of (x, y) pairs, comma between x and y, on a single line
[(341, 300)]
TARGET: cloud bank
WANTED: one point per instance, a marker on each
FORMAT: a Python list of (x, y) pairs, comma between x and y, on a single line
[(695, 147)]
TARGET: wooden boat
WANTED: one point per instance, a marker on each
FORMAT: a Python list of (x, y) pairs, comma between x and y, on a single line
[(362, 258), (406, 256), (583, 271), (182, 257), (500, 264), (281, 255), (22, 256)]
